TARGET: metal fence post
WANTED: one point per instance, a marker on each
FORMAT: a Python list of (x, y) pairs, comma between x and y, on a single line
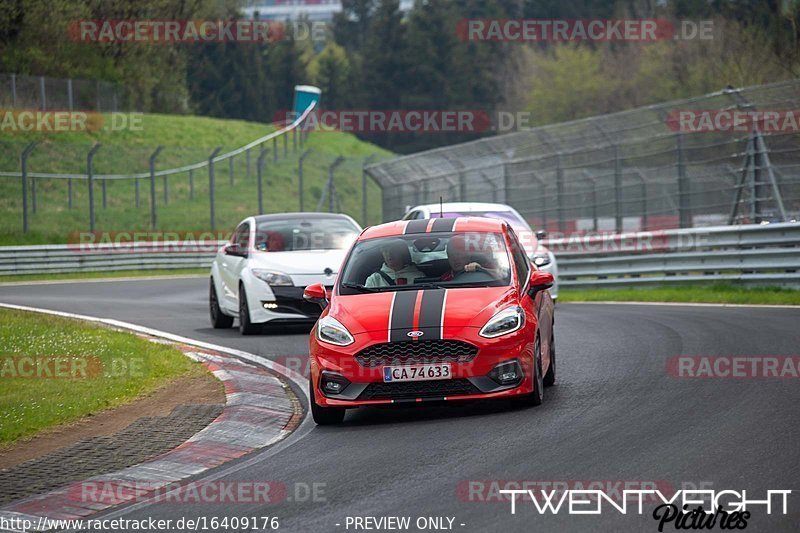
[(211, 185), (684, 214), (153, 186), (191, 184), (617, 190), (562, 222), (506, 184), (300, 187), (69, 193), (136, 192), (42, 93), (285, 146), (294, 139), (593, 182), (24, 164), (105, 193), (275, 149), (69, 93), (90, 175), (34, 203), (230, 169), (331, 185), (260, 174), (247, 163), (364, 165)]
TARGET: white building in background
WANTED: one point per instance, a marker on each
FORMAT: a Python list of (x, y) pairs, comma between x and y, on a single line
[(322, 10)]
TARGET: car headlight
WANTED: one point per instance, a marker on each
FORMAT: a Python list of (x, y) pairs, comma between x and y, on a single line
[(503, 322), (332, 331), (272, 277), (540, 259)]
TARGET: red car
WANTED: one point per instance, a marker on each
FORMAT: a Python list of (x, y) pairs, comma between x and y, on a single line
[(438, 309)]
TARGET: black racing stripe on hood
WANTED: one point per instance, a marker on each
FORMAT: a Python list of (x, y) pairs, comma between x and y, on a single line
[(443, 224), (416, 226), (402, 315), (430, 314)]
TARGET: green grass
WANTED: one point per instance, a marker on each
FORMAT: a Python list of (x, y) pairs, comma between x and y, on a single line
[(186, 140), (714, 293), (102, 275), (29, 404)]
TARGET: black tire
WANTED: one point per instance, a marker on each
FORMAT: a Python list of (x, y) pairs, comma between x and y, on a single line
[(245, 326), (550, 377), (535, 398), (324, 416), (219, 320)]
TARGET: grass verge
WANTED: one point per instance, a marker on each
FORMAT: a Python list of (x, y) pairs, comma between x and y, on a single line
[(78, 369), (713, 293), (102, 275), (184, 208)]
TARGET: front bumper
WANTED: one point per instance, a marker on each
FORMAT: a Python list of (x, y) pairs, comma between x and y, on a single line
[(470, 375), (279, 303)]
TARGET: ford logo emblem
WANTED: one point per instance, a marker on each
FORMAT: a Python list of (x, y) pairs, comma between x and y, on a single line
[(415, 333)]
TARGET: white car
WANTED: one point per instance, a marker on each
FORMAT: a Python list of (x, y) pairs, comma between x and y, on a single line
[(259, 275), (538, 253)]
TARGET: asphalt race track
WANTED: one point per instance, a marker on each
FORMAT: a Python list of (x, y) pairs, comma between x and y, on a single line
[(615, 414)]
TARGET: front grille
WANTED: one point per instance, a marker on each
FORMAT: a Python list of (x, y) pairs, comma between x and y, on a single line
[(416, 352), (418, 389)]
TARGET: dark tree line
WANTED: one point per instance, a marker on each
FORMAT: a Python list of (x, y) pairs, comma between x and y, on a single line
[(375, 57)]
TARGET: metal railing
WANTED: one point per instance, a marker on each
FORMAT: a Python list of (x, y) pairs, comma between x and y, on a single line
[(767, 254), (756, 254), (68, 258), (627, 171)]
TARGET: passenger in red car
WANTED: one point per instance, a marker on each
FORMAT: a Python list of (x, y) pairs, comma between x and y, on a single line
[(397, 268)]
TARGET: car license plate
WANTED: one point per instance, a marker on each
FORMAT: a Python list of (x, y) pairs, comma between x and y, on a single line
[(416, 372)]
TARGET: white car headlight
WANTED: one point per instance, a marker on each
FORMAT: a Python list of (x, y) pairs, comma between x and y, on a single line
[(540, 259), (503, 322), (332, 331), (272, 277)]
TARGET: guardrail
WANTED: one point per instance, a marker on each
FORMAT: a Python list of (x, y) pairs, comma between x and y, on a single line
[(755, 254), (69, 258)]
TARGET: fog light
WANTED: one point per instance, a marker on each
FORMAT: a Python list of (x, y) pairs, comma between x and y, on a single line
[(332, 383), (270, 305), (507, 373)]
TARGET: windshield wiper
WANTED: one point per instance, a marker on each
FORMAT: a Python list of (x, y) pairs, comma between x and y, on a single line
[(360, 288)]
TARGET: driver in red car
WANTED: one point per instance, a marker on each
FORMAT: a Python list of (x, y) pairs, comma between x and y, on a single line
[(461, 260)]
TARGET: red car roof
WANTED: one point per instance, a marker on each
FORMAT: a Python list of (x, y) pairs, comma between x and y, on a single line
[(461, 224)]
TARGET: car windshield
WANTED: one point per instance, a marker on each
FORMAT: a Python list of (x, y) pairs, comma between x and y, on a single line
[(313, 233), (429, 260)]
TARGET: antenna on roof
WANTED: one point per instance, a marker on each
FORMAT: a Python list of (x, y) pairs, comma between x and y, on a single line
[(441, 209)]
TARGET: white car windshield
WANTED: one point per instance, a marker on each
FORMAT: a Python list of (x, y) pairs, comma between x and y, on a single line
[(432, 260), (312, 233)]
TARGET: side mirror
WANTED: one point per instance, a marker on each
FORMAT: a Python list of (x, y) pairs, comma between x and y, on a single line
[(235, 250), (540, 281), (316, 293), (541, 234)]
